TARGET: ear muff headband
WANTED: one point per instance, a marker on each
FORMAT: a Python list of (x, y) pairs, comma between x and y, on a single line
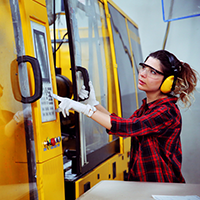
[(169, 82)]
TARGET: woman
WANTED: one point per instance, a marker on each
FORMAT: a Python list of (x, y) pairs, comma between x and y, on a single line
[(155, 127)]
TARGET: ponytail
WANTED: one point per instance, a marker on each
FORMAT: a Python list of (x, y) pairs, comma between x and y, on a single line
[(185, 84)]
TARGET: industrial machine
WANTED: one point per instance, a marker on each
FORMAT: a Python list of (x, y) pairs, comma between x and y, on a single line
[(57, 46)]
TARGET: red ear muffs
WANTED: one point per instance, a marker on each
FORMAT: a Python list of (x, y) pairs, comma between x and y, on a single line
[(167, 84)]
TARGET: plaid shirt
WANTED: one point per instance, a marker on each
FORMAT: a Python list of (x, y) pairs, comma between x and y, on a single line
[(156, 153)]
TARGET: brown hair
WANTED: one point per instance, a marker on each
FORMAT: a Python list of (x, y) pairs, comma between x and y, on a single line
[(186, 76)]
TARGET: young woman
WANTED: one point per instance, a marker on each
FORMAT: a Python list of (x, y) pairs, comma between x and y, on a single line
[(155, 127)]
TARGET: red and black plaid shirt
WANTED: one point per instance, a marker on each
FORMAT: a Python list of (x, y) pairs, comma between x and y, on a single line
[(156, 153)]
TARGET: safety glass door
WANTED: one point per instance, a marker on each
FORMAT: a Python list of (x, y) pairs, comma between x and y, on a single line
[(91, 56), (17, 144), (124, 62), (85, 22)]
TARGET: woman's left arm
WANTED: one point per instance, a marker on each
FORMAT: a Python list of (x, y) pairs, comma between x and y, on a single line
[(152, 123)]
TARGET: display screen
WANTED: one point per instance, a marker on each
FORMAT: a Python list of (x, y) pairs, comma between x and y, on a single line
[(41, 54)]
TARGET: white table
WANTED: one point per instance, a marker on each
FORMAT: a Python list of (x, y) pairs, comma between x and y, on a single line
[(125, 190)]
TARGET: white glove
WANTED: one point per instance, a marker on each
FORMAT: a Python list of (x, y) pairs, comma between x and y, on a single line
[(83, 94), (21, 115), (68, 104)]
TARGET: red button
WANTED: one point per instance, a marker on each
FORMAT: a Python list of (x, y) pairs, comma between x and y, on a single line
[(53, 142)]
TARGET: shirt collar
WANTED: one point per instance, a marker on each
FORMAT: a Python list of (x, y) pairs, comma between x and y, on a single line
[(158, 102)]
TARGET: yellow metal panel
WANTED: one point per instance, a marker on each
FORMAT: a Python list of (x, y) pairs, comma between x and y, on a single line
[(15, 191), (127, 149), (13, 175), (127, 144), (63, 57), (50, 179), (42, 2), (98, 174), (121, 166), (105, 170), (34, 11)]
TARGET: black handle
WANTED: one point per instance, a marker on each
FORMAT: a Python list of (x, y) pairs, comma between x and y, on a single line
[(15, 80), (86, 79)]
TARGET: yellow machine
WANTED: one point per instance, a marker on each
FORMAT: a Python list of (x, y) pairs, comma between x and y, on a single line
[(57, 46), (31, 148)]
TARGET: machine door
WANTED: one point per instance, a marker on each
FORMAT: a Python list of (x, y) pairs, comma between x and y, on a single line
[(17, 143), (87, 50), (30, 146)]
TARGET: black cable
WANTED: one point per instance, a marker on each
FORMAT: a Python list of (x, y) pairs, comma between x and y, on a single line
[(61, 42)]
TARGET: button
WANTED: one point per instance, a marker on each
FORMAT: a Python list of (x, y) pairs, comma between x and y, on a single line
[(58, 139), (53, 142), (48, 141)]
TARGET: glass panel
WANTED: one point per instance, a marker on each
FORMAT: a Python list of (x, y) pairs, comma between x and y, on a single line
[(17, 165), (89, 53), (137, 55), (180, 9), (90, 45), (123, 58)]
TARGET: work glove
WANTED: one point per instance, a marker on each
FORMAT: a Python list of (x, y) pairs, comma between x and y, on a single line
[(84, 94), (21, 115), (69, 104)]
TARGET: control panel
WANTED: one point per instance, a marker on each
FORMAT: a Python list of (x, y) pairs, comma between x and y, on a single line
[(52, 143)]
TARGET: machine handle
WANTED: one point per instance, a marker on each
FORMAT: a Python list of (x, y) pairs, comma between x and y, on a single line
[(15, 80), (86, 79)]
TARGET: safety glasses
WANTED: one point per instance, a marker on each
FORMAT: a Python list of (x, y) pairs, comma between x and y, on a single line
[(150, 71)]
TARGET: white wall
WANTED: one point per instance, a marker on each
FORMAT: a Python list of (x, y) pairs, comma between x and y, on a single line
[(184, 42)]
